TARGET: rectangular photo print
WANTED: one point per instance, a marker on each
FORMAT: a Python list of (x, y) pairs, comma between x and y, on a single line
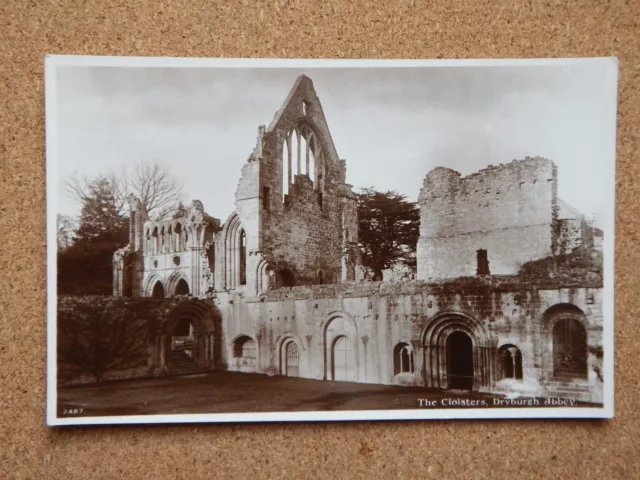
[(236, 240)]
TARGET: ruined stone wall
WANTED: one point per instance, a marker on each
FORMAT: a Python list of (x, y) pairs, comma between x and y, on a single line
[(569, 235), (376, 317), (508, 210), (168, 268), (572, 234), (133, 336), (80, 317), (304, 233)]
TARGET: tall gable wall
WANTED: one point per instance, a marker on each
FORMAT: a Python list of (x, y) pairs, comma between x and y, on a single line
[(302, 234)]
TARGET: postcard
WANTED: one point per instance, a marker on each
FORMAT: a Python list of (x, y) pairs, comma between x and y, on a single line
[(246, 240)]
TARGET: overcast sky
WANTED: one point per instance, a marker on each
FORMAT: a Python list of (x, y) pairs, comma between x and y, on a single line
[(391, 125)]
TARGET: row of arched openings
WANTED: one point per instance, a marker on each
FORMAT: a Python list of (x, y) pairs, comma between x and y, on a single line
[(167, 240), (569, 354), (181, 288)]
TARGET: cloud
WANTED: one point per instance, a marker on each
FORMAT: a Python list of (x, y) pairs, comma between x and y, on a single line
[(391, 125)]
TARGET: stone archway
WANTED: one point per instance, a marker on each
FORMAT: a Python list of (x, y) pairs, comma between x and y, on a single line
[(564, 326), (457, 352), (182, 287), (190, 339), (340, 348), (291, 357), (509, 363), (402, 359), (177, 285), (245, 354)]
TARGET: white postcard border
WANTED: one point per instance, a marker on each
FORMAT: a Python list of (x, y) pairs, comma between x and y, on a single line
[(52, 419)]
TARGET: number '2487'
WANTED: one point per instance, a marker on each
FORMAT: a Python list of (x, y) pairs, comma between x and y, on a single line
[(72, 411)]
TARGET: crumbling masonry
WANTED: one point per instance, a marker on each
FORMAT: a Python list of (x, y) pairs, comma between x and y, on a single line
[(508, 295)]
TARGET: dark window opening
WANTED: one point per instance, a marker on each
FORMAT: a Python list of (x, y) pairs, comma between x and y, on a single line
[(402, 359), (483, 263), (178, 239), (158, 290), (320, 277), (510, 362), (286, 278), (182, 287), (211, 257), (266, 198), (243, 258), (320, 199)]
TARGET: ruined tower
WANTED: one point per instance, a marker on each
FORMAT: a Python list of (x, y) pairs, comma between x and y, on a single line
[(295, 211), (128, 267), (487, 223)]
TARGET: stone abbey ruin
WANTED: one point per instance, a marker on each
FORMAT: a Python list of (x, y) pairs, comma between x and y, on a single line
[(507, 297)]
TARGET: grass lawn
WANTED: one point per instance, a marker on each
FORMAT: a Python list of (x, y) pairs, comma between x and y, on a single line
[(232, 392)]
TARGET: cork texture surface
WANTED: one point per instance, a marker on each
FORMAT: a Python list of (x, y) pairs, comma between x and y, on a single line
[(297, 29)]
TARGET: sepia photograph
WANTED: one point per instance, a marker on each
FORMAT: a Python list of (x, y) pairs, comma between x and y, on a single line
[(246, 240)]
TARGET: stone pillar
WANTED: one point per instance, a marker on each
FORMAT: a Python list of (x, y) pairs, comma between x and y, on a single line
[(196, 260), (365, 341), (117, 279), (162, 347), (425, 364)]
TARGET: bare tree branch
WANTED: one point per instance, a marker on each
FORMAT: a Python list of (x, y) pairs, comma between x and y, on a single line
[(152, 183), (65, 226)]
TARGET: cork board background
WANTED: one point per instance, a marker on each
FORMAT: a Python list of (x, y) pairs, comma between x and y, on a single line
[(297, 29)]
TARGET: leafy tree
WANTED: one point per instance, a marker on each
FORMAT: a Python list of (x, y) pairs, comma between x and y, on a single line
[(96, 338), (100, 219), (85, 267), (388, 230)]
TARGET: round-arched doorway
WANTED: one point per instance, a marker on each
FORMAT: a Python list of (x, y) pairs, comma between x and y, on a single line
[(189, 342), (459, 361), (458, 352)]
